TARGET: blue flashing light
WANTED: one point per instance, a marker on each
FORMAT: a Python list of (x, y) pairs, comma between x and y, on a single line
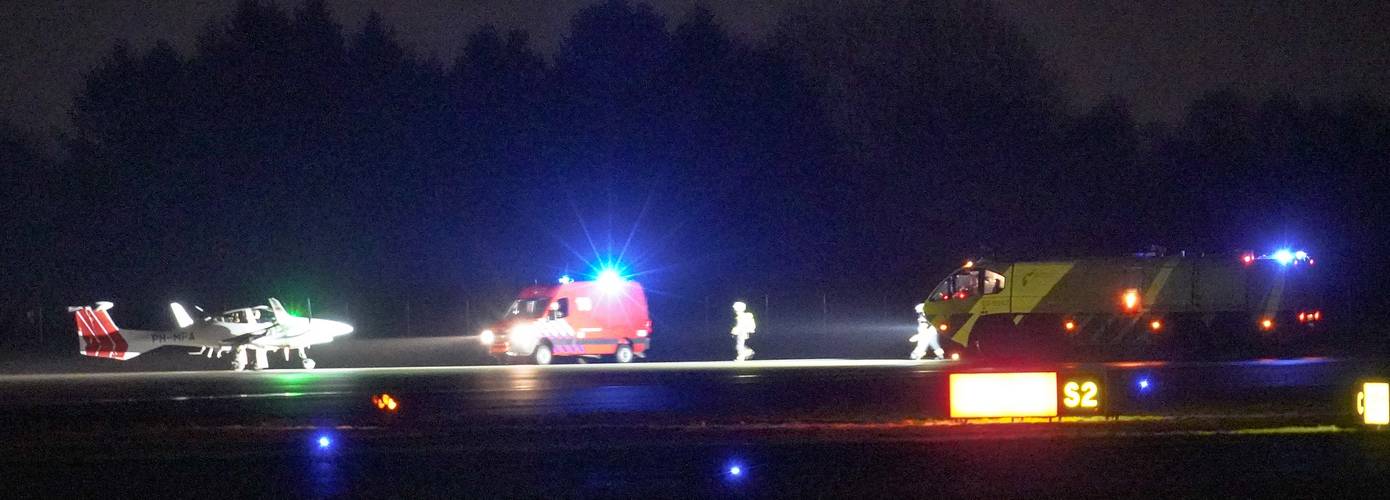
[(1300, 255), (736, 470), (1283, 256), (610, 280), (324, 442), (566, 279)]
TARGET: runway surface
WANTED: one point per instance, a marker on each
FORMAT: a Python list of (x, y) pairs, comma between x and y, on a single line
[(775, 391), (672, 428)]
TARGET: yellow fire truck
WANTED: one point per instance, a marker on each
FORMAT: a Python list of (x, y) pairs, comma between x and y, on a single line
[(1145, 306)]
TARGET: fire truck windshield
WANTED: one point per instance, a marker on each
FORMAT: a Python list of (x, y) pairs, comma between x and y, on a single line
[(528, 308), (966, 284)]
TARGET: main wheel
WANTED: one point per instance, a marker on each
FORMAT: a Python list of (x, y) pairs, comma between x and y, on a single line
[(308, 364), (624, 354), (238, 366), (542, 356)]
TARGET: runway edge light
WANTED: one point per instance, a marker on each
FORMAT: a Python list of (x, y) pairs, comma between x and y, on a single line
[(1373, 403), (994, 395)]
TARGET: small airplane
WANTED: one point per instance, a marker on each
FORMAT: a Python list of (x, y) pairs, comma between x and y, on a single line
[(259, 329)]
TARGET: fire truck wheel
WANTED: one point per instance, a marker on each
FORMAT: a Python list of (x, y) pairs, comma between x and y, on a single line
[(624, 354), (542, 356)]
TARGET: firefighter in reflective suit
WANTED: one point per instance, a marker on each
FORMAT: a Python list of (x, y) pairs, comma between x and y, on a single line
[(926, 337), (743, 327)]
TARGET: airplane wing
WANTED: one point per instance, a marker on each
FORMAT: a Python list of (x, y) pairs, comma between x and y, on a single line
[(245, 338)]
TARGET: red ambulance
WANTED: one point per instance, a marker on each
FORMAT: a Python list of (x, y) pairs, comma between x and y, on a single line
[(604, 317)]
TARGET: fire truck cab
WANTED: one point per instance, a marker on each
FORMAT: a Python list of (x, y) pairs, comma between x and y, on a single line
[(604, 317)]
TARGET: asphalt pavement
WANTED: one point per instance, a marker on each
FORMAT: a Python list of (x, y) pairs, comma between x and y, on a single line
[(800, 427)]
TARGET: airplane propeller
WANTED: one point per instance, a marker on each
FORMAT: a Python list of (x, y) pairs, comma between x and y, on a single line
[(206, 317)]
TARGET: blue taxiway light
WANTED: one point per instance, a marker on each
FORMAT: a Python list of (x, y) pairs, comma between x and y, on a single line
[(324, 442), (1143, 384)]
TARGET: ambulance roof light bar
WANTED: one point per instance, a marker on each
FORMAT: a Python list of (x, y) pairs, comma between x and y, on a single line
[(1283, 256)]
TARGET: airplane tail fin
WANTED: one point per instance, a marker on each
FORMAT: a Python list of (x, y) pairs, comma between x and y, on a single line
[(101, 338), (181, 315), (277, 308)]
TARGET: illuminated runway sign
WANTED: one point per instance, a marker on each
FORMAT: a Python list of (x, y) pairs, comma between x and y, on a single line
[(1081, 394), (1373, 403), (986, 395)]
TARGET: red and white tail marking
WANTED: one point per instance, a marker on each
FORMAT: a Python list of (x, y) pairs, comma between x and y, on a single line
[(100, 336)]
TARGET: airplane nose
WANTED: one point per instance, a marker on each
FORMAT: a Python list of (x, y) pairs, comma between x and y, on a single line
[(342, 328)]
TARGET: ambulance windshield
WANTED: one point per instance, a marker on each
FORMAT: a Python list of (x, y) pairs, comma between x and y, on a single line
[(528, 308)]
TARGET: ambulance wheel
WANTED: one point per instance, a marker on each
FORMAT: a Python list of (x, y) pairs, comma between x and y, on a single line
[(542, 356), (624, 354), (238, 366)]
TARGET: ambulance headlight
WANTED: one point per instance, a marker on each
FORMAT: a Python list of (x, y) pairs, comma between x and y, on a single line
[(522, 334), (486, 337)]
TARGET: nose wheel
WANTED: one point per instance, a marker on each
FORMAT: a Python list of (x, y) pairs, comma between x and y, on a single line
[(304, 360)]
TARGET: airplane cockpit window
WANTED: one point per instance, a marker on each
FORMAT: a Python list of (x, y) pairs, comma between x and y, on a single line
[(234, 317), (263, 315)]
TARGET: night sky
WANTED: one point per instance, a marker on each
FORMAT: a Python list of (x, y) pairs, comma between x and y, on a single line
[(830, 158), (1158, 56)]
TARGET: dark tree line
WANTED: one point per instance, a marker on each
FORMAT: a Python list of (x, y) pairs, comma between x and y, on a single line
[(859, 146)]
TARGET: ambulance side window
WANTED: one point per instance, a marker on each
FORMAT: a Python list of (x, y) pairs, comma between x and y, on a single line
[(560, 308)]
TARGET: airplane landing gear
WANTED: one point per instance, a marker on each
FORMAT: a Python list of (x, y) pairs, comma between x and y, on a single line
[(239, 361), (304, 359), (261, 361)]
